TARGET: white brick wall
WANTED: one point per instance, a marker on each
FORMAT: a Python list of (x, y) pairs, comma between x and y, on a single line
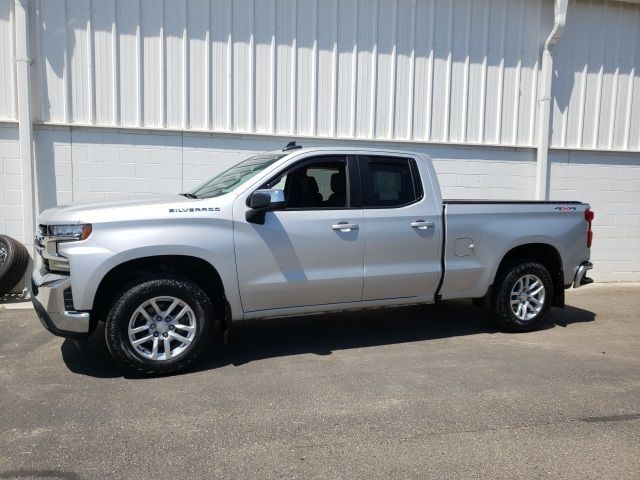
[(611, 184), (98, 164), (10, 183)]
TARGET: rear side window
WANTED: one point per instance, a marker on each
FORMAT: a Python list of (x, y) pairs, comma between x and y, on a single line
[(389, 182)]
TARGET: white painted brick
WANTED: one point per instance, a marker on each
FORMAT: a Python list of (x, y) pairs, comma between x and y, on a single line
[(137, 185), (189, 172), (12, 166), (10, 149), (150, 171), (101, 154), (105, 184), (447, 179), (12, 197), (64, 184), (63, 168), (189, 185), (119, 169), (81, 184), (173, 141), (82, 137), (204, 173), (10, 212), (165, 185), (118, 139), (86, 169), (132, 155), (65, 198), (196, 157), (168, 157), (174, 171), (88, 196), (79, 153), (10, 181), (151, 141), (14, 228)]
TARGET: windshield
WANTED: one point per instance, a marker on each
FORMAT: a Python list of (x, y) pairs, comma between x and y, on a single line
[(236, 175)]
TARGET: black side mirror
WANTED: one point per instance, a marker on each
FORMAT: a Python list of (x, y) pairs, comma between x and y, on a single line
[(262, 201)]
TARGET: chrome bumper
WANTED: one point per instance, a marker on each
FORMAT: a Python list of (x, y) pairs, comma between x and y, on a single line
[(48, 298), (581, 275)]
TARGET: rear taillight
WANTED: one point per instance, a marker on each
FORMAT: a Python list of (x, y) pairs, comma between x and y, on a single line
[(588, 216)]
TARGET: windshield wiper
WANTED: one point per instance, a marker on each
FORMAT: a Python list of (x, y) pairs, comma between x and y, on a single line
[(189, 195)]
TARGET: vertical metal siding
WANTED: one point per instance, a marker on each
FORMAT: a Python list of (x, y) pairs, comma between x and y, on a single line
[(452, 71), (7, 69), (596, 92)]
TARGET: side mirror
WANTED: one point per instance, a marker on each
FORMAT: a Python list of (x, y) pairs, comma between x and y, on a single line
[(262, 201)]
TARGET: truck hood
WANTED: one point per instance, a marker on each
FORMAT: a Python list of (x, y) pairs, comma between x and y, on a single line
[(131, 208)]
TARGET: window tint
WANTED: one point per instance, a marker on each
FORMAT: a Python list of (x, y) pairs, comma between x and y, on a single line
[(388, 182), (320, 184)]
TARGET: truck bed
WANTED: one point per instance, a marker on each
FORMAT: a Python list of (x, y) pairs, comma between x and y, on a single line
[(455, 201)]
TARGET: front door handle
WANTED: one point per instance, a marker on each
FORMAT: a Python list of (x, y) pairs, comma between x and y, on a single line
[(345, 227), (422, 225)]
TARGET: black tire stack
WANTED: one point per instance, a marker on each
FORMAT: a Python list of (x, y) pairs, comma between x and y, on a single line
[(14, 259)]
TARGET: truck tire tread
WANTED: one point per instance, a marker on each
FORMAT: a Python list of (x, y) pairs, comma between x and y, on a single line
[(131, 297), (500, 306), (15, 264)]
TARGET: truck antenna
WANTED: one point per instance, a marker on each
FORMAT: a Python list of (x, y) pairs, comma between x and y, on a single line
[(291, 146)]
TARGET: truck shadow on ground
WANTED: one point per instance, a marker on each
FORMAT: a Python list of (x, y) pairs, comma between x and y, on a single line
[(323, 334)]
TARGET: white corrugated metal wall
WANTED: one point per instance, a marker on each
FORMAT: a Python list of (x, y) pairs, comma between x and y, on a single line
[(418, 70), (456, 79)]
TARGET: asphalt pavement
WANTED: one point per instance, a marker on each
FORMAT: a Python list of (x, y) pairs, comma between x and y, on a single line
[(418, 392)]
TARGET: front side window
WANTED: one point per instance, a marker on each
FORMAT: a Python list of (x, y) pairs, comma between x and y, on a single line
[(318, 184), (236, 175), (388, 182)]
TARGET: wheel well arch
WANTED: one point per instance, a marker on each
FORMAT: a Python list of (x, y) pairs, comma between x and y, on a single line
[(544, 254), (203, 273)]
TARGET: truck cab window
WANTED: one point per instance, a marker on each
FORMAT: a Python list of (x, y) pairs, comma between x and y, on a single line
[(320, 184), (388, 182)]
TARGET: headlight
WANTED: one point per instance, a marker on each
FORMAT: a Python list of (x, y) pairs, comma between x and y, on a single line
[(48, 238), (70, 232)]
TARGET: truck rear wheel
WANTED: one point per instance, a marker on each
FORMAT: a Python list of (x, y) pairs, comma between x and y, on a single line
[(159, 326), (523, 296)]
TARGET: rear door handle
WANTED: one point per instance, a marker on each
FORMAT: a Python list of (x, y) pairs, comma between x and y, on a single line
[(345, 227), (422, 225)]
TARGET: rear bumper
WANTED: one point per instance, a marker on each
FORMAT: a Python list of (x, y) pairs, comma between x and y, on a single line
[(47, 296), (581, 278)]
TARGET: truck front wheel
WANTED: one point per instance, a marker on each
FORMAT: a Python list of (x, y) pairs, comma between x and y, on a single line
[(159, 326), (523, 296)]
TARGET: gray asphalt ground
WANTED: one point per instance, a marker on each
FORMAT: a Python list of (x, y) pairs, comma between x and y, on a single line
[(419, 392)]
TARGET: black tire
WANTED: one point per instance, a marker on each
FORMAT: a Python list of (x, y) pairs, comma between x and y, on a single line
[(134, 296), (501, 308), (14, 259)]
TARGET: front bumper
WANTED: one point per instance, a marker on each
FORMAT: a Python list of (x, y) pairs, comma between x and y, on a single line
[(581, 278), (48, 297)]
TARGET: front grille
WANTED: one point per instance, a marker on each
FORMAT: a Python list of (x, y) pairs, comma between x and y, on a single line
[(68, 299)]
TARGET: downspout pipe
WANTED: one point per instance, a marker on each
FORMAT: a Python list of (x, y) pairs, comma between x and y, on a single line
[(544, 101), (25, 124)]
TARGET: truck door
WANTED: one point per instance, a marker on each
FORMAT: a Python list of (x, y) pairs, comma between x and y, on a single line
[(311, 251), (403, 237)]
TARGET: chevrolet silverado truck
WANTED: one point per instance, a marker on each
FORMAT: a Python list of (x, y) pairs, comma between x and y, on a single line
[(292, 232)]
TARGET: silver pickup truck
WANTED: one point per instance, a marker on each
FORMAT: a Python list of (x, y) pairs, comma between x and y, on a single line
[(291, 232)]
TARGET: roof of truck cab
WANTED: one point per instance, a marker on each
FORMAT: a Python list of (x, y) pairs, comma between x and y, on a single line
[(346, 149)]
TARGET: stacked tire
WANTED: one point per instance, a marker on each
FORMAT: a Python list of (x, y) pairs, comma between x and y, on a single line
[(14, 260)]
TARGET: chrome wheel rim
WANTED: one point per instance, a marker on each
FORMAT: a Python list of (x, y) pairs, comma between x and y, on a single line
[(162, 328), (3, 254), (527, 297)]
